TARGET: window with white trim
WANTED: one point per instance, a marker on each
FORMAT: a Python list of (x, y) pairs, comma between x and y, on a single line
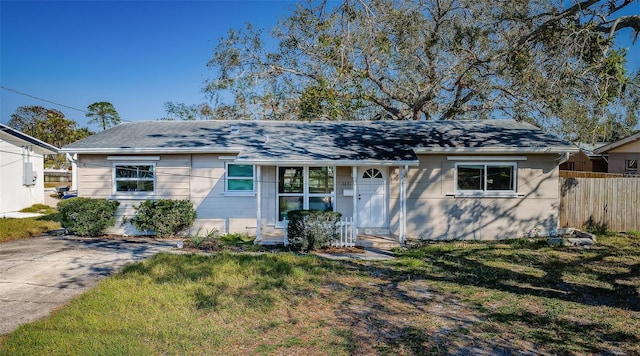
[(305, 188), (486, 177), (240, 177), (132, 178)]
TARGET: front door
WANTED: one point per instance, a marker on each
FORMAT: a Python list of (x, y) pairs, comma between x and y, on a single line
[(372, 197)]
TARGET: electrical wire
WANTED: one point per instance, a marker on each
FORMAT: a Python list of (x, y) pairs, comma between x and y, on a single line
[(45, 100)]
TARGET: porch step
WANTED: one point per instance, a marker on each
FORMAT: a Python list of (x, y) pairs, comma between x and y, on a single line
[(382, 242), (376, 231)]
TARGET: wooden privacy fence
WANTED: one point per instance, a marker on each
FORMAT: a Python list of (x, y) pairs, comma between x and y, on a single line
[(613, 203)]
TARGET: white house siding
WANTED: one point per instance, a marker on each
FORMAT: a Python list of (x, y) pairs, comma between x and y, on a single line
[(434, 213), (14, 195), (227, 214), (198, 178)]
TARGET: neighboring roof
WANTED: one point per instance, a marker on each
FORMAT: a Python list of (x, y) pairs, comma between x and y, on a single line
[(19, 138), (616, 144), (346, 141), (589, 149)]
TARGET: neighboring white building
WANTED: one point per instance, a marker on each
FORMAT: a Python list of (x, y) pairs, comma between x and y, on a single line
[(21, 169)]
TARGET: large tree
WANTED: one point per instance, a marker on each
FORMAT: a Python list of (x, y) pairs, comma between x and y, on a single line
[(553, 63), (104, 114), (50, 126), (181, 111)]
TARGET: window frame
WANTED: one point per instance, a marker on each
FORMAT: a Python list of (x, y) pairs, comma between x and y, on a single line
[(305, 194), (228, 178), (484, 192), (627, 166), (115, 180)]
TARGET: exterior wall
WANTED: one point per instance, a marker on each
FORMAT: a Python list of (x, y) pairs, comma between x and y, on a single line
[(14, 195), (344, 181), (433, 212), (198, 178), (619, 155)]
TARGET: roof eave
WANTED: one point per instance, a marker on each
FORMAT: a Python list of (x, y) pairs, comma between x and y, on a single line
[(155, 150), (617, 144), (327, 162), (496, 150), (44, 147)]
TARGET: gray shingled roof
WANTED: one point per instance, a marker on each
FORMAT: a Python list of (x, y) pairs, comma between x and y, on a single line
[(262, 141)]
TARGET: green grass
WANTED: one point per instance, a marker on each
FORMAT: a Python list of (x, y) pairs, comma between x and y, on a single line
[(503, 297), (12, 229)]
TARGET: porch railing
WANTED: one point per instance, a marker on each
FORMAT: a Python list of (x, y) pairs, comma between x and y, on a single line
[(346, 237)]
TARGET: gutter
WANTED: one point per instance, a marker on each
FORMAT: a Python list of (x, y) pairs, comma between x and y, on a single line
[(496, 150)]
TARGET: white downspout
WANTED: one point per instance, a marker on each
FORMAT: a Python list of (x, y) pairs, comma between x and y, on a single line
[(402, 197), (403, 203), (259, 205), (354, 177)]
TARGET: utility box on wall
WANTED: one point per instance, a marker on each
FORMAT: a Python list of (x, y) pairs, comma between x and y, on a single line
[(29, 176)]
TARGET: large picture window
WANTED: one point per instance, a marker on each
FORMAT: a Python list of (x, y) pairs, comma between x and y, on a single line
[(490, 177), (305, 188), (134, 178), (240, 177)]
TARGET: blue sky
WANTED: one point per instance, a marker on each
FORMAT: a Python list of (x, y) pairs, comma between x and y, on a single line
[(136, 55)]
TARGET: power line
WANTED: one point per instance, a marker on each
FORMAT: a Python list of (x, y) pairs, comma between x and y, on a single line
[(41, 99)]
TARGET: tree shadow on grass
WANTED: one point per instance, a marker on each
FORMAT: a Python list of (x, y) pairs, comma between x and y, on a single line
[(401, 307)]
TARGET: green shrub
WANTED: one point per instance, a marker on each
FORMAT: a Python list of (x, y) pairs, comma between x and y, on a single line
[(164, 217), (312, 229), (87, 216)]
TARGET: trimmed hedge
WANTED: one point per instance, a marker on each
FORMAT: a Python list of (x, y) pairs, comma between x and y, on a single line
[(312, 229), (87, 216), (164, 217)]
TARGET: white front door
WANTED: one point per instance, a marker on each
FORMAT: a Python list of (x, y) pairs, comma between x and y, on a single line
[(372, 197)]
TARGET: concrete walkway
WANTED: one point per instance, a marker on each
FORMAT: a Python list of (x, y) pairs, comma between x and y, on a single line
[(370, 254), (39, 274)]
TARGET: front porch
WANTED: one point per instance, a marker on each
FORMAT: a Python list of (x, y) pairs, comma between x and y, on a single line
[(367, 196)]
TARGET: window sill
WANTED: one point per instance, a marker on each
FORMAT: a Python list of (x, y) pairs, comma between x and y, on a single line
[(132, 196), (486, 195), (239, 194)]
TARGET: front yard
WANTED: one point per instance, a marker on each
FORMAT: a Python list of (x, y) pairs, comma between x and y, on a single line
[(463, 298)]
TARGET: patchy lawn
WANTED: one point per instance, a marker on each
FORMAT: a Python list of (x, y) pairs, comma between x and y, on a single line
[(12, 229), (462, 298)]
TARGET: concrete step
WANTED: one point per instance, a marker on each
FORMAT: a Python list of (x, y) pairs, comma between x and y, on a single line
[(377, 241)]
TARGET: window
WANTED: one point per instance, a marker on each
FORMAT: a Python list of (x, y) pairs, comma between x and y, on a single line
[(479, 177), (134, 178), (305, 188), (631, 166), (240, 177)]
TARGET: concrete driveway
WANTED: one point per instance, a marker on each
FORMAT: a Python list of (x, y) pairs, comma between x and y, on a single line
[(42, 273)]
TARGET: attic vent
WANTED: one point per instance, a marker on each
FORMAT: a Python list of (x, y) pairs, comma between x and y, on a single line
[(234, 130)]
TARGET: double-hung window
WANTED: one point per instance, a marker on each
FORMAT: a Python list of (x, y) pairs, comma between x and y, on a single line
[(240, 178), (134, 178), (486, 178), (305, 188)]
